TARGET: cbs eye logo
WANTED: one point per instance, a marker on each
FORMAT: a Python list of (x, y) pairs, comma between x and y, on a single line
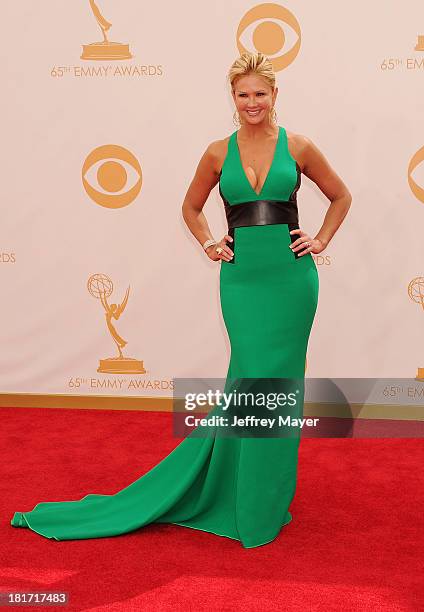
[(262, 26), (414, 163), (113, 167)]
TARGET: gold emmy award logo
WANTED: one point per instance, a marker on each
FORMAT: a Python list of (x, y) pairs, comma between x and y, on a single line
[(101, 287), (104, 50), (416, 293), (420, 44)]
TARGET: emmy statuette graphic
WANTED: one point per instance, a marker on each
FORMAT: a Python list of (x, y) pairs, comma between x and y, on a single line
[(420, 44), (104, 50), (101, 287), (416, 293)]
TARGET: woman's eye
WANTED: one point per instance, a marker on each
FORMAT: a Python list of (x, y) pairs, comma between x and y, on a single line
[(260, 93)]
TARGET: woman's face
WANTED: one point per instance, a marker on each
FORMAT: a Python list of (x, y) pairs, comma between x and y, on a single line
[(253, 98)]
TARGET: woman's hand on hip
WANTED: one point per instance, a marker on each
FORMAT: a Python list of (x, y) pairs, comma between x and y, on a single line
[(224, 253), (305, 244)]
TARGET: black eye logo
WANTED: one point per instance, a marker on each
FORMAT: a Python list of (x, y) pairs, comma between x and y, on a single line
[(262, 24), (112, 166)]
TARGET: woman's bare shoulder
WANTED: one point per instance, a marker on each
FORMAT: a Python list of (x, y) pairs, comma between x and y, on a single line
[(298, 144), (217, 151)]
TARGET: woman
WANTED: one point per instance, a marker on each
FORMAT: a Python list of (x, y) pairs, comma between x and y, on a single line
[(239, 486)]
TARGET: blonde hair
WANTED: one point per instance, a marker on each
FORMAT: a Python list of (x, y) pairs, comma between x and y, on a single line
[(256, 63)]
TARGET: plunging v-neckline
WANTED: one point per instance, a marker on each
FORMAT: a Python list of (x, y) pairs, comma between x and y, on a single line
[(270, 168)]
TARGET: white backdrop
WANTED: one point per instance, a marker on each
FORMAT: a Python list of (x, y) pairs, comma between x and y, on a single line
[(355, 88)]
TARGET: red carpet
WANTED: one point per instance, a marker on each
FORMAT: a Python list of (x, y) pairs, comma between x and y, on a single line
[(355, 542)]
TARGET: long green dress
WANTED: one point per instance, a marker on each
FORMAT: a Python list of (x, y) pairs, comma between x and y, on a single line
[(234, 486)]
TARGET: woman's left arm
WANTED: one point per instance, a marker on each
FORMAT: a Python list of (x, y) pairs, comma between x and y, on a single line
[(317, 168)]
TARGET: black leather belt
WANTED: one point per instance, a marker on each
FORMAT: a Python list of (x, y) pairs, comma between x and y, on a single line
[(261, 212)]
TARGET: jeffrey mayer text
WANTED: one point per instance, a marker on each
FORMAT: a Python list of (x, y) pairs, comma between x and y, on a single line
[(249, 421)]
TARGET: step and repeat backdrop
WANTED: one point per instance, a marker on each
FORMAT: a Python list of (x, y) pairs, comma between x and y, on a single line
[(107, 108)]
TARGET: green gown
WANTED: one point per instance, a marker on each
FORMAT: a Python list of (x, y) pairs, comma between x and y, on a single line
[(233, 486)]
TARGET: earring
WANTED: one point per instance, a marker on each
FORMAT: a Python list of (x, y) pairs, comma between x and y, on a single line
[(236, 119), (273, 115)]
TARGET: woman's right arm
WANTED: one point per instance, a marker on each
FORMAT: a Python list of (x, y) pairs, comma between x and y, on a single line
[(204, 180)]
